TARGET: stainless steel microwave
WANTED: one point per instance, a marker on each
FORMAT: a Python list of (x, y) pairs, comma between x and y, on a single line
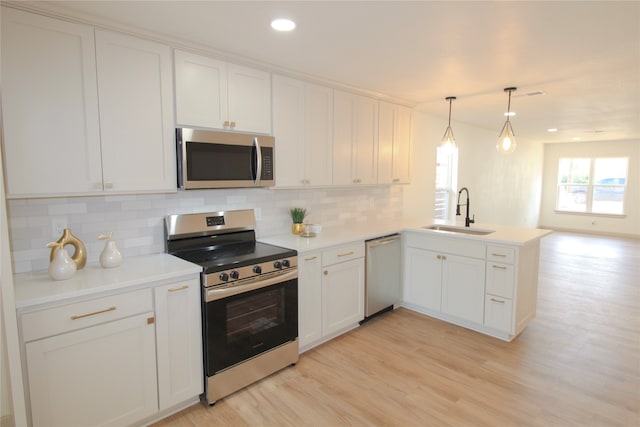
[(215, 159)]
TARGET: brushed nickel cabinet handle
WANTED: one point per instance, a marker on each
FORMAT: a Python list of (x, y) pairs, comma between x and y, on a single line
[(347, 254), (499, 267), (497, 300), (108, 185), (179, 288), (500, 255), (311, 259), (80, 316)]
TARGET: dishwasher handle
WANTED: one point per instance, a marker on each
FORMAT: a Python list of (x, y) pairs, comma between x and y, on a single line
[(382, 241)]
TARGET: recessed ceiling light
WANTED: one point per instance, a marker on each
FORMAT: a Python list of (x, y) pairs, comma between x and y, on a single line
[(577, 138), (283, 24), (552, 130)]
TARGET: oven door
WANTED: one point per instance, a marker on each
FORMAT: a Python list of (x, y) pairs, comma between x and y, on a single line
[(243, 321)]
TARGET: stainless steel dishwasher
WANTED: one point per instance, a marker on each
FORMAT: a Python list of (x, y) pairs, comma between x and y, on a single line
[(383, 275)]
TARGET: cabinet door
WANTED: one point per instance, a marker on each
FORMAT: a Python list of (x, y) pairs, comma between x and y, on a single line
[(342, 295), (343, 138), (309, 298), (104, 375), (500, 279), (366, 140), (49, 106), (463, 287), (402, 146), (386, 132), (423, 278), (249, 99), (498, 313), (318, 124), (179, 342), (288, 128), (201, 91), (136, 114)]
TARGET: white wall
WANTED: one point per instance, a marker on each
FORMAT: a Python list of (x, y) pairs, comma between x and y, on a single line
[(627, 225), (503, 189), (137, 220)]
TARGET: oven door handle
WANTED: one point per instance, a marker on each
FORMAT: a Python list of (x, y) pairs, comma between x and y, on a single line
[(257, 283), (258, 161)]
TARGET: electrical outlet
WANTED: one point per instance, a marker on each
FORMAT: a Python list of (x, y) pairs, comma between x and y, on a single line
[(58, 224)]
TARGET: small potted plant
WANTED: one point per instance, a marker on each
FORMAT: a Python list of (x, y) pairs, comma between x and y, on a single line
[(297, 216)]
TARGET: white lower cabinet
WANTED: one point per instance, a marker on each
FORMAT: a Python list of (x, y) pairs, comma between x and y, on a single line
[(179, 342), (114, 360), (101, 375), (330, 293), (463, 287), (483, 286)]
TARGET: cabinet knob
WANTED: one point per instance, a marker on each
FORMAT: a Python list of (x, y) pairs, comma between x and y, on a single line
[(108, 185), (326, 273), (226, 123), (233, 124), (396, 179)]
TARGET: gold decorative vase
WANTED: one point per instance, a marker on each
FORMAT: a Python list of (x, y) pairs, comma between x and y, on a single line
[(297, 228), (79, 256)]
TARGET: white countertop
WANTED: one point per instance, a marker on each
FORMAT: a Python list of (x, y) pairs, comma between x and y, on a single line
[(37, 288), (334, 236)]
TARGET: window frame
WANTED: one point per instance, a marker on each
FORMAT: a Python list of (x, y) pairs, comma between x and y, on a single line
[(591, 187)]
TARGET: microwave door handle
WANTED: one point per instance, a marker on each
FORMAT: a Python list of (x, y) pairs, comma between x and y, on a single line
[(258, 161)]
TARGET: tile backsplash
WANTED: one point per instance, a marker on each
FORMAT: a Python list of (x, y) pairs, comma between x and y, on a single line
[(137, 220)]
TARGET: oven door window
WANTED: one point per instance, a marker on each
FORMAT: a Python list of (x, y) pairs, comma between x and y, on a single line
[(245, 325), (220, 162)]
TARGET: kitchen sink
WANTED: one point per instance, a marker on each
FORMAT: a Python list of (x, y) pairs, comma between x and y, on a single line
[(461, 230)]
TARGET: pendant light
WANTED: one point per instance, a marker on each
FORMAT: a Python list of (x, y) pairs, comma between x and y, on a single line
[(507, 140), (448, 142)]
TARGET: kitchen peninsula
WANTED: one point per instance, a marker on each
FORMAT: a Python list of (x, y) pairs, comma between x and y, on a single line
[(483, 277)]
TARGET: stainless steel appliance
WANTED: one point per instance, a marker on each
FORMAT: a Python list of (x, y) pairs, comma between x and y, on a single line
[(383, 275), (249, 297), (215, 159)]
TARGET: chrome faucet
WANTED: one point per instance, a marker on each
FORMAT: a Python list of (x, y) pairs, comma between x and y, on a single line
[(467, 221)]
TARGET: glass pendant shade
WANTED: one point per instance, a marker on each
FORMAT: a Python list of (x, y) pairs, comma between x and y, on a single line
[(448, 143), (507, 139)]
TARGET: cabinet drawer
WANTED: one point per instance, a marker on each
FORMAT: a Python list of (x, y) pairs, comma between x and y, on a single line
[(502, 254), (80, 315), (343, 253), (448, 245), (500, 279), (498, 313)]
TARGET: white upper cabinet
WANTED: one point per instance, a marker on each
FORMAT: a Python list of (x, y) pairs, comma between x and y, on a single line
[(394, 144), (355, 135), (49, 106), (302, 126), (136, 113), (215, 94), (84, 114)]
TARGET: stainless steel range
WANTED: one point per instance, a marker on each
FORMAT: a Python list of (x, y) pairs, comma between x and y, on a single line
[(249, 297)]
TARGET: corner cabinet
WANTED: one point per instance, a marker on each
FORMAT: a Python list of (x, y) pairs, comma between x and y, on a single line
[(483, 286), (215, 94), (302, 125), (117, 359), (330, 293), (84, 111)]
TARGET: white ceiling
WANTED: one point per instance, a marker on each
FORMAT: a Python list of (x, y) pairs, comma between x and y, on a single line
[(584, 55)]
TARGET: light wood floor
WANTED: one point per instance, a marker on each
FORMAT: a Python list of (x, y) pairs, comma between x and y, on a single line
[(576, 364)]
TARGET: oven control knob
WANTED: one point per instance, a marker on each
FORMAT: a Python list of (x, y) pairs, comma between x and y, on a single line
[(257, 269), (224, 277), (286, 263), (234, 274), (277, 265)]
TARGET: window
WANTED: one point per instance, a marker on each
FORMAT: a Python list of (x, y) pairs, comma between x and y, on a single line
[(446, 182), (592, 185)]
